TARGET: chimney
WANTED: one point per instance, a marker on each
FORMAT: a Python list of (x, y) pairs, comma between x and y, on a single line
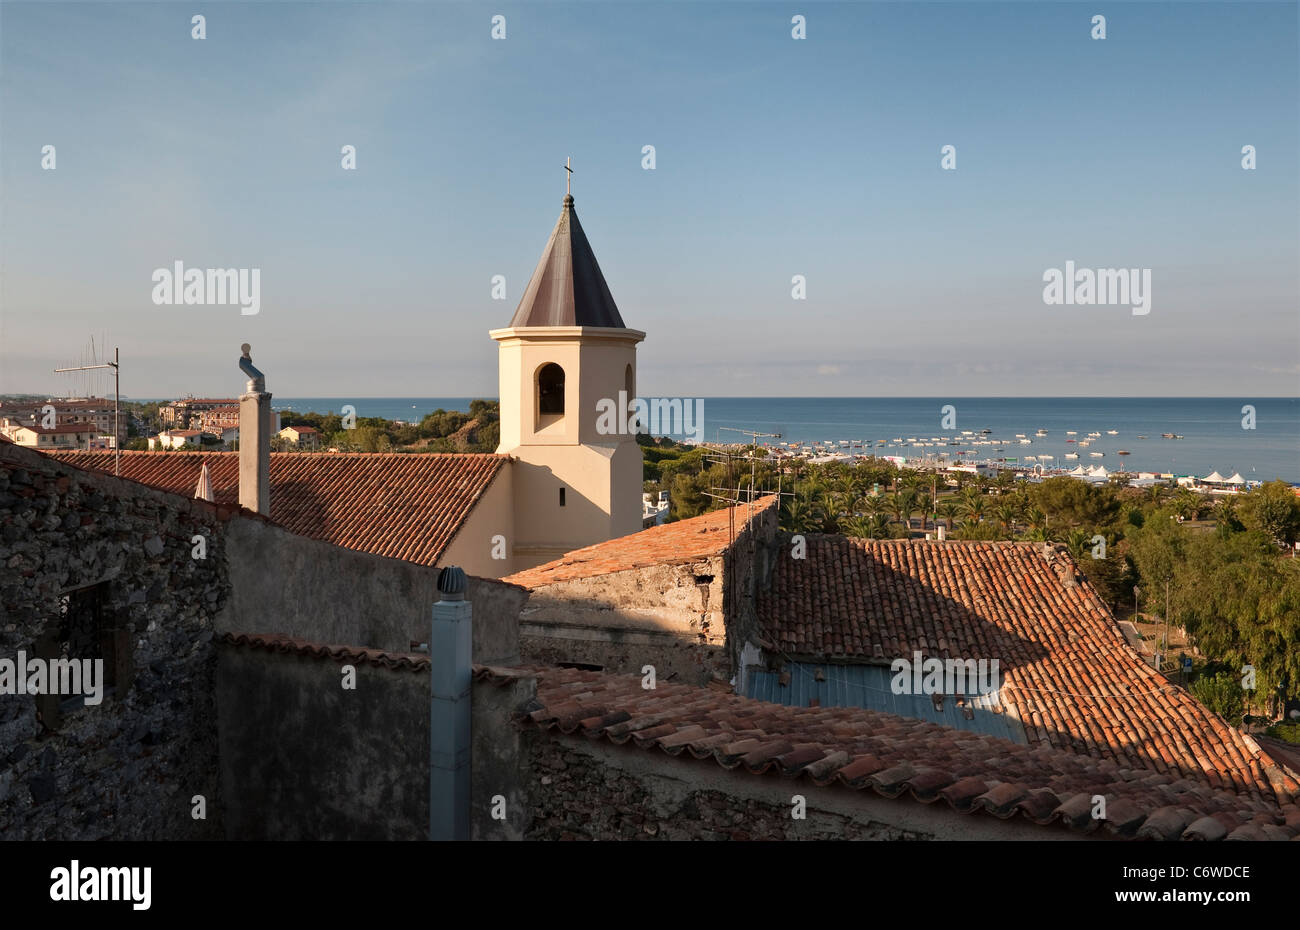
[(449, 715), (254, 439)]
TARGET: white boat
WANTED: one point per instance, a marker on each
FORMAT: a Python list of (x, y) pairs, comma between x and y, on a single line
[(1071, 455), (1085, 442), (1026, 442), (1072, 432), (1020, 435), (1041, 432), (1112, 432), (1096, 455)]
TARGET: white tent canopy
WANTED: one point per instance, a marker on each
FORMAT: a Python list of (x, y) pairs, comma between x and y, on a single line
[(1214, 478), (1098, 472), (1236, 479)]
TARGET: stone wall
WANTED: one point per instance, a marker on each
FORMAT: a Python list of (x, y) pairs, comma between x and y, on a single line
[(128, 767), (748, 569), (689, 620), (579, 789)]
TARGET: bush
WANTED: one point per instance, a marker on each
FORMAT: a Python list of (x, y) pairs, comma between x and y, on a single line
[(1222, 694), (1287, 732)]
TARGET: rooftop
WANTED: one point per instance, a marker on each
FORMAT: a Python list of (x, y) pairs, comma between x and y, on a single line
[(1068, 674), (391, 504), (567, 287), (683, 541), (863, 750)]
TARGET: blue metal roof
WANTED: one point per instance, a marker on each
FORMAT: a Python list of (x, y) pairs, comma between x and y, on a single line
[(867, 686)]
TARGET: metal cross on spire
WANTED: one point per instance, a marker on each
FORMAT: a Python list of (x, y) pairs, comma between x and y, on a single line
[(568, 178)]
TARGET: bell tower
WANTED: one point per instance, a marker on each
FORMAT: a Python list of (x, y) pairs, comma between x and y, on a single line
[(566, 350)]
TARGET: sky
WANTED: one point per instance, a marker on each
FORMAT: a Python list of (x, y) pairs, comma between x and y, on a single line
[(774, 157)]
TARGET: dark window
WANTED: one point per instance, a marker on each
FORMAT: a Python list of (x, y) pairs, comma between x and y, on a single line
[(561, 497), (83, 630), (550, 390)]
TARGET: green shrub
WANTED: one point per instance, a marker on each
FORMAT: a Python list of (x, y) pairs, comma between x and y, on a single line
[(1222, 694)]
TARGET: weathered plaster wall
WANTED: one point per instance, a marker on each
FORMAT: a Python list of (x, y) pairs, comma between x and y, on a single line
[(494, 515), (283, 583), (303, 758), (128, 767)]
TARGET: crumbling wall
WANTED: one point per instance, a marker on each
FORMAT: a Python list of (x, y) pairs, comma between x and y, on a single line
[(748, 570), (668, 615), (597, 792), (129, 767)]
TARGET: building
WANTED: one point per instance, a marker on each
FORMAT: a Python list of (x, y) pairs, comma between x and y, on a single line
[(206, 700), (301, 437), (556, 483), (53, 438), (96, 411), (218, 419), (565, 350), (176, 439), (187, 411)]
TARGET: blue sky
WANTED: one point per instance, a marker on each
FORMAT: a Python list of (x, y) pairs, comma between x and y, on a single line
[(775, 157)]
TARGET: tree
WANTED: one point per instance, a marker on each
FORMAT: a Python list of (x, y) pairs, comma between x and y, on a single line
[(1222, 694), (1274, 510), (1072, 503)]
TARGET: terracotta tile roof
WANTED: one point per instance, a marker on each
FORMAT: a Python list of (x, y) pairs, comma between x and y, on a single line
[(671, 543), (893, 756), (391, 504), (1068, 673), (356, 655), (860, 749)]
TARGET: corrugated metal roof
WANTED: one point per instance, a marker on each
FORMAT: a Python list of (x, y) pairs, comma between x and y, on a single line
[(867, 686), (567, 287)]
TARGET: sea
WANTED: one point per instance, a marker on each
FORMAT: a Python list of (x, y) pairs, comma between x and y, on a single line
[(1258, 437)]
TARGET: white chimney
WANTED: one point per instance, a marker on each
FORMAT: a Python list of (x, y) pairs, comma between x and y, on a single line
[(254, 440)]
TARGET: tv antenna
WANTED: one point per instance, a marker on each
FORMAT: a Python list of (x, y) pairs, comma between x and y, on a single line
[(117, 403)]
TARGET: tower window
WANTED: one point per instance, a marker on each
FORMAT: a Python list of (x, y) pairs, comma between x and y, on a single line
[(561, 497), (550, 390)]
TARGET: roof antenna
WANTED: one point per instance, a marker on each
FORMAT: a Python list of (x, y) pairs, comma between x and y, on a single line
[(568, 182)]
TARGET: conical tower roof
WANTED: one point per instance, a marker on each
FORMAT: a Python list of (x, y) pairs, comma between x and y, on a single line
[(567, 288)]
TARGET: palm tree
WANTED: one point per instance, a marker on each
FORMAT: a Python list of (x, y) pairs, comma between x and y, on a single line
[(903, 504), (879, 527), (860, 527), (873, 504), (973, 508), (1007, 512), (948, 510), (1037, 519)]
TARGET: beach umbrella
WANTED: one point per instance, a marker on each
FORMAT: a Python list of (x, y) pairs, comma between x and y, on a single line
[(204, 490)]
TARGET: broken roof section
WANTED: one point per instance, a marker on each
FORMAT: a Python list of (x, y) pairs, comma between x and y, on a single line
[(670, 544), (567, 287)]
